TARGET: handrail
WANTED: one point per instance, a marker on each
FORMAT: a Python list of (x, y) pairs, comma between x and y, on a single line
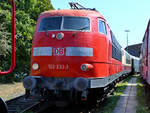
[(12, 67)]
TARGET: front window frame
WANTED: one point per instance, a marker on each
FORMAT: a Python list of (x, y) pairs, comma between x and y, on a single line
[(62, 24), (47, 18)]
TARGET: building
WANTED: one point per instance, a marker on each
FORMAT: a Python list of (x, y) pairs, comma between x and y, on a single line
[(134, 49)]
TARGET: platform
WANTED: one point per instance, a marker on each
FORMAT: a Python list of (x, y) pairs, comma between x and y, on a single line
[(127, 102)]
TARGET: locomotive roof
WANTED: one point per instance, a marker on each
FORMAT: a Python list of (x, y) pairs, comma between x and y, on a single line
[(72, 12)]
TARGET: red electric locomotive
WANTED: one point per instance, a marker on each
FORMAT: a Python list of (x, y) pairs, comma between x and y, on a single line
[(74, 56), (145, 55)]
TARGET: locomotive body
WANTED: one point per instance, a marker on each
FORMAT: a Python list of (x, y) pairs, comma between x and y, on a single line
[(79, 45), (145, 55), (74, 51)]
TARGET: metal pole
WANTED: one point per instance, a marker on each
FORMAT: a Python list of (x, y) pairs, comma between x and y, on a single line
[(127, 41), (127, 31)]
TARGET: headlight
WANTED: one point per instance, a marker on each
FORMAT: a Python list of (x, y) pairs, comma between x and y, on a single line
[(35, 66), (80, 84), (53, 36), (86, 67), (29, 83), (60, 36)]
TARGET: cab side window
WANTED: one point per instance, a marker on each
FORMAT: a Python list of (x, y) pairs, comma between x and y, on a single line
[(102, 27)]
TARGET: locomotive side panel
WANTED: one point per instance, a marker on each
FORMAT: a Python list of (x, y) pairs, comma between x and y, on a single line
[(116, 55)]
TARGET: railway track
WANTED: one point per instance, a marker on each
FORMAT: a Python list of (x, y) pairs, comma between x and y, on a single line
[(20, 104)]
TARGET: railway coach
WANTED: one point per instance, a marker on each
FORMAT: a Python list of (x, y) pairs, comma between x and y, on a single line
[(145, 55), (75, 56), (135, 65)]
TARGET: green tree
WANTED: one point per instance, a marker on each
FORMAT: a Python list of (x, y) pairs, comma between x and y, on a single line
[(27, 12)]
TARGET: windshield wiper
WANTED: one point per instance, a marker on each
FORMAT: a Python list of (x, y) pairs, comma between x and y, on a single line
[(83, 28), (46, 31)]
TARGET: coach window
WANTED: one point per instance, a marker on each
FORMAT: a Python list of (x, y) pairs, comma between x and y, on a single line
[(102, 27)]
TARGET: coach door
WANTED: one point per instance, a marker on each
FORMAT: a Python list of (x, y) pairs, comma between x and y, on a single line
[(148, 31)]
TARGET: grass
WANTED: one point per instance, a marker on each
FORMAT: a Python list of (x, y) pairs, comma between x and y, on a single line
[(143, 97), (111, 102), (9, 91)]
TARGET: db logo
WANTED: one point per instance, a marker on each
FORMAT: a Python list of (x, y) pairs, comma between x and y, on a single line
[(58, 51)]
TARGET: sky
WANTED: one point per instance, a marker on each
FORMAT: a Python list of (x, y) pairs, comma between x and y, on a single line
[(121, 15)]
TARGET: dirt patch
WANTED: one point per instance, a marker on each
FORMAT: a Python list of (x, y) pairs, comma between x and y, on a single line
[(8, 91)]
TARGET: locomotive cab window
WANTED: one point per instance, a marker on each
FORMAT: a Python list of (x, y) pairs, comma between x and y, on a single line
[(102, 27), (64, 23)]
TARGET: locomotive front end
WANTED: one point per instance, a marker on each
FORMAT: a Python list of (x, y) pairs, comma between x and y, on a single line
[(63, 53), (61, 46)]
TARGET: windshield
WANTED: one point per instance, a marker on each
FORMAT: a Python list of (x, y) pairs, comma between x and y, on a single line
[(52, 23), (64, 23)]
